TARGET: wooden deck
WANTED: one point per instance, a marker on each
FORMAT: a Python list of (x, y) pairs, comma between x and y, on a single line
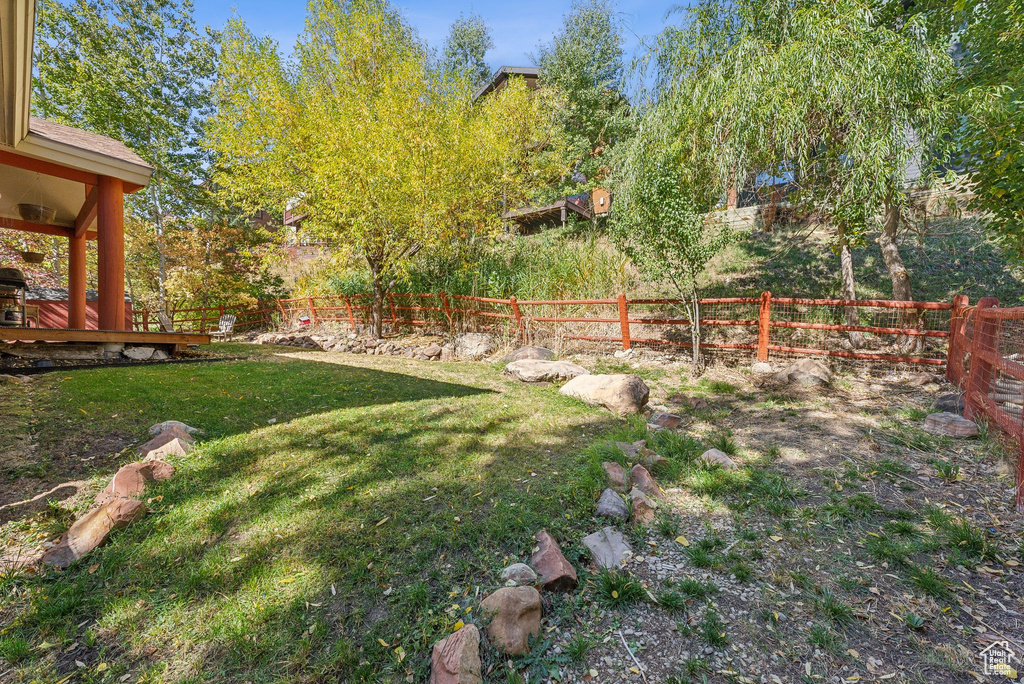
[(94, 336)]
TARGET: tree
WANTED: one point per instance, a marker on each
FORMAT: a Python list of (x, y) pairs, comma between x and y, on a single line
[(660, 224), (465, 49), (389, 156), (138, 71), (584, 63), (824, 91)]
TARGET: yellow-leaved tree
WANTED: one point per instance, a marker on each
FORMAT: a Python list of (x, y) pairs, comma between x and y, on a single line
[(386, 149)]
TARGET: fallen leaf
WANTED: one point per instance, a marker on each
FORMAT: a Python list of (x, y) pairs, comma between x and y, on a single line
[(682, 540)]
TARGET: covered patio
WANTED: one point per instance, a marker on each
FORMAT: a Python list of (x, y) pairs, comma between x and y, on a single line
[(62, 181)]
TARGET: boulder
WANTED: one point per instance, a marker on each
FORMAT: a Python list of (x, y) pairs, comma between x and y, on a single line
[(518, 574), (432, 350), (761, 368), (643, 507), (664, 421), (139, 353), (168, 425), (651, 460), (473, 346), (555, 571), (806, 372), (719, 458), (530, 352), (632, 449), (950, 403), (456, 658), (515, 618), (950, 425), (616, 475), (169, 443), (611, 505), (645, 482), (535, 370), (159, 355), (622, 394), (130, 481), (608, 548), (927, 380), (92, 530)]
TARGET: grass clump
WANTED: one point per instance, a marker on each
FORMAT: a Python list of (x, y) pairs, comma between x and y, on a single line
[(833, 607), (618, 588), (930, 582), (826, 639), (712, 629)]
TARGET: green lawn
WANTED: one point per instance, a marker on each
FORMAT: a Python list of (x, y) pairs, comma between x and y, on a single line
[(377, 502)]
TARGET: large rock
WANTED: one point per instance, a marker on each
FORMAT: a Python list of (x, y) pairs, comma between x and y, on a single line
[(473, 346), (622, 394), (645, 482), (92, 530), (139, 353), (535, 370), (130, 481), (518, 574), (530, 352), (515, 618), (172, 442), (555, 571), (950, 425), (616, 475), (950, 403), (643, 507), (456, 658), (664, 421), (168, 425), (611, 505), (608, 548), (719, 458), (806, 372)]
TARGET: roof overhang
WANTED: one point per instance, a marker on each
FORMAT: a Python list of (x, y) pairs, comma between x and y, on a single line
[(17, 32), (502, 75), (39, 147)]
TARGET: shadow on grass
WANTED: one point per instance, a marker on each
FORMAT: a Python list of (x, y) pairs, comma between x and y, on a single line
[(292, 551)]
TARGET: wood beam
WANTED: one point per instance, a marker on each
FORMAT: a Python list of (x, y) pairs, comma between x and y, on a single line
[(60, 335), (41, 228), (76, 282), (110, 244), (46, 168), (87, 214)]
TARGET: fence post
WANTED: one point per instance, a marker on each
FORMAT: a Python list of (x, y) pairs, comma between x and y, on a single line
[(145, 321), (351, 316), (519, 317), (312, 309), (391, 305), (979, 379), (764, 315), (447, 308), (284, 316), (954, 353), (624, 321)]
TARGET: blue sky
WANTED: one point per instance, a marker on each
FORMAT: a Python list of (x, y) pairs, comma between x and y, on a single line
[(517, 28)]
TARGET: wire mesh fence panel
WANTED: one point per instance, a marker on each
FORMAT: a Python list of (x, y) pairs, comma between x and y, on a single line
[(569, 326), (481, 314)]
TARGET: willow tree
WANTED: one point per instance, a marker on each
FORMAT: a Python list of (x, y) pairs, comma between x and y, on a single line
[(388, 154)]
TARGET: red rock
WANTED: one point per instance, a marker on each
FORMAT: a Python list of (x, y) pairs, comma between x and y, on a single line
[(645, 482), (950, 425), (668, 421), (555, 571), (456, 658), (515, 617), (643, 507), (616, 475), (172, 442), (92, 530), (130, 481)]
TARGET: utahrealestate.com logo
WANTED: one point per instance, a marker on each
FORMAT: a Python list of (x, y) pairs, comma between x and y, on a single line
[(998, 659)]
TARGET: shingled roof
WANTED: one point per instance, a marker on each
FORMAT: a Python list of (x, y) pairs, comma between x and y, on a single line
[(84, 140)]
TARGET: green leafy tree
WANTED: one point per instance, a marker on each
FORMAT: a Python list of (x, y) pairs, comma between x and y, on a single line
[(389, 156), (465, 49), (584, 63), (138, 71)]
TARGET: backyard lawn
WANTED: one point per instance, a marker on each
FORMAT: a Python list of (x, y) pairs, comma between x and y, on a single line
[(342, 513)]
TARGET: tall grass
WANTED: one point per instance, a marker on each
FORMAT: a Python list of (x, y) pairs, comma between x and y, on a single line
[(555, 264)]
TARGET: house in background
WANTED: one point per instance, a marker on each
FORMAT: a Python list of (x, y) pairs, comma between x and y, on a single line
[(531, 219)]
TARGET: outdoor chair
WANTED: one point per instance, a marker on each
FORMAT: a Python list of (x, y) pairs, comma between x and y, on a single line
[(225, 327), (166, 324)]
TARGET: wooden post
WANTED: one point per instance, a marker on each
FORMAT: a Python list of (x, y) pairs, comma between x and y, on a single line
[(519, 318), (624, 321), (979, 380), (284, 316), (764, 316), (145, 321), (312, 309), (76, 282), (351, 316), (110, 248), (447, 308), (954, 351)]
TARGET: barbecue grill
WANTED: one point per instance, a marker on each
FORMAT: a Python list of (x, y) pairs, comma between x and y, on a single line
[(12, 298)]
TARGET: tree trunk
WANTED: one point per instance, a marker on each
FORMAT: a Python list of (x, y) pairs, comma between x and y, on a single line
[(693, 312), (849, 285), (901, 290), (377, 307), (161, 251)]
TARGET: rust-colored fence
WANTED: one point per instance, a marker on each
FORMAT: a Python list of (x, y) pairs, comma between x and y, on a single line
[(987, 361), (205, 319)]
